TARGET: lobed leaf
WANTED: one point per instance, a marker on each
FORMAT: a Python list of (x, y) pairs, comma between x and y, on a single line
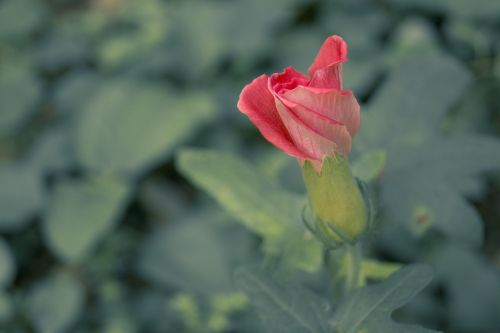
[(369, 309), (283, 310)]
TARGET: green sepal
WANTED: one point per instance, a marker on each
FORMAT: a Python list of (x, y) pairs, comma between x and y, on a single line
[(338, 204)]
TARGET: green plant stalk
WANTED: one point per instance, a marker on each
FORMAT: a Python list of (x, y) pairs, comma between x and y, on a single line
[(352, 265)]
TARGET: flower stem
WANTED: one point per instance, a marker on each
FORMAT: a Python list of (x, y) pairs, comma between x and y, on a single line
[(353, 259)]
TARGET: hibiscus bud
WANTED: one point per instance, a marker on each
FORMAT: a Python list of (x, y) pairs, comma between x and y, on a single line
[(309, 117), (339, 208)]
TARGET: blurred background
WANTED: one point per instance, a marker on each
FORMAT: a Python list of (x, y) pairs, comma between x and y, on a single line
[(102, 229)]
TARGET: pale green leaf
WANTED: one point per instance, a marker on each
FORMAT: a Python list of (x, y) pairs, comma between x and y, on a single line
[(80, 213), (369, 309), (129, 126), (55, 303), (247, 194), (284, 309)]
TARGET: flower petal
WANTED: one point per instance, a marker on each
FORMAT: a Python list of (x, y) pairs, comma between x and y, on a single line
[(304, 137), (338, 105), (326, 70), (333, 51), (329, 77), (330, 129), (257, 102), (287, 80)]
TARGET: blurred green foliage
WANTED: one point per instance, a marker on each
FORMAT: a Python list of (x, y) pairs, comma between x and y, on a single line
[(131, 188)]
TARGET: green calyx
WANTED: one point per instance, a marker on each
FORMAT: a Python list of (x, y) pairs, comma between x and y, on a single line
[(338, 207)]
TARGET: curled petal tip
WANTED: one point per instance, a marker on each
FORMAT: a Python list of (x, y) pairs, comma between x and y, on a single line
[(333, 51)]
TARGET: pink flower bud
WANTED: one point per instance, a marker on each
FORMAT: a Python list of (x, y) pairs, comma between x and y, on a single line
[(306, 117)]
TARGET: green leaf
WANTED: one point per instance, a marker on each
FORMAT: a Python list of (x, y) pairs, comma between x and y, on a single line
[(55, 303), (369, 165), (19, 93), (284, 310), (369, 309), (189, 254), (7, 265), (129, 126), (254, 199), (246, 193), (21, 195), (80, 213)]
